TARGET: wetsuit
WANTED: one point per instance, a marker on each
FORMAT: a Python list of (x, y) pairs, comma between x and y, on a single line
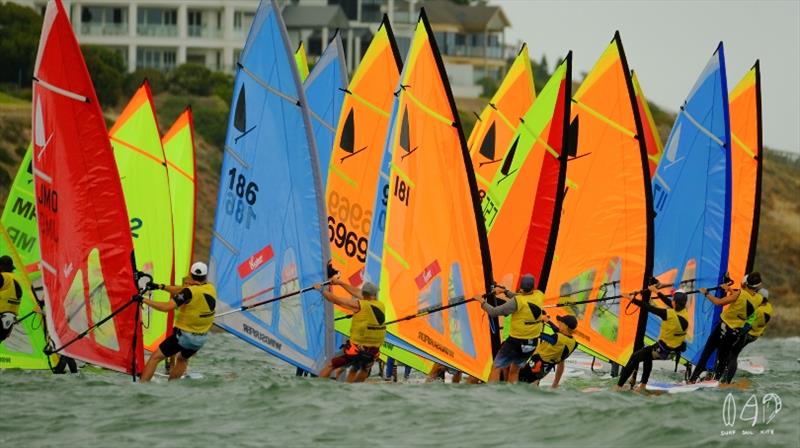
[(670, 340), (367, 333), (726, 333), (551, 350), (10, 298), (526, 310), (752, 330), (196, 305)]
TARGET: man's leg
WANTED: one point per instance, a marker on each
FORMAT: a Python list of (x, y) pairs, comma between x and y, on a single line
[(513, 373), (177, 371), (152, 365), (708, 349)]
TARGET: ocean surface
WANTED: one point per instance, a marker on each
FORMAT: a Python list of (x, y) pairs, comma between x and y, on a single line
[(247, 398)]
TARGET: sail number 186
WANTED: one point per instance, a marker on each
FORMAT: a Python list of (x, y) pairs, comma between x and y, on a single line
[(241, 198)]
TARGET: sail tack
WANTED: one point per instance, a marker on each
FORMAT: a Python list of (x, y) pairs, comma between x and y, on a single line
[(691, 195), (84, 231), (604, 235), (269, 236)]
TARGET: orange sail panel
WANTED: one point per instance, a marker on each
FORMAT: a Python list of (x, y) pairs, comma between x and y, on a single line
[(604, 244), (493, 133), (85, 238), (435, 250), (524, 198), (651, 138), (746, 160)]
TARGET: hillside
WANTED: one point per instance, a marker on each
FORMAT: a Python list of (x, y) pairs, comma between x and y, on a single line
[(778, 255)]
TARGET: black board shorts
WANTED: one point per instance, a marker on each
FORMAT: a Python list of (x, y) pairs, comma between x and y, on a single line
[(171, 346)]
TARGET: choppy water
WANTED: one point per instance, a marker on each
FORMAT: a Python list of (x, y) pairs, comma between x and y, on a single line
[(247, 398)]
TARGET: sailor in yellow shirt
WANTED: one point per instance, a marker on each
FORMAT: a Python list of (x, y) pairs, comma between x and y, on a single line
[(752, 330), (671, 339), (552, 350), (367, 330), (10, 297), (526, 310), (196, 306), (739, 307)]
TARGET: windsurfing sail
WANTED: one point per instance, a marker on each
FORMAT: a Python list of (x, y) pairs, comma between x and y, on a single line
[(84, 232), (604, 242), (651, 138), (692, 199), (301, 59), (24, 347), (325, 89), (269, 237), (495, 129), (19, 217), (179, 149), (434, 250), (523, 200), (142, 167), (746, 161)]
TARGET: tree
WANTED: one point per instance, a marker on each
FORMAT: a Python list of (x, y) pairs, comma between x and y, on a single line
[(154, 76), (193, 79), (540, 72), (107, 69), (20, 28)]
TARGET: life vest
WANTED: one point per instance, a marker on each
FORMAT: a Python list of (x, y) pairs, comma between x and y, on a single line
[(555, 353), (367, 327), (736, 313), (763, 315), (673, 329), (9, 301), (197, 315), (526, 321)]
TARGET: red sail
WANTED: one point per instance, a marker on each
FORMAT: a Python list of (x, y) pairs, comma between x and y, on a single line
[(84, 232)]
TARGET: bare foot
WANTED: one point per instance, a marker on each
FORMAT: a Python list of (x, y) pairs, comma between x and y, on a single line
[(641, 388), (617, 388)]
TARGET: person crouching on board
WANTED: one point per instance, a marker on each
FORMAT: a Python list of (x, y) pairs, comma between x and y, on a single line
[(367, 330), (671, 339), (552, 351), (10, 297), (526, 310), (752, 330), (196, 306)]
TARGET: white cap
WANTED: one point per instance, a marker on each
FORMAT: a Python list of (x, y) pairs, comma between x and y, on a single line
[(199, 269), (764, 293)]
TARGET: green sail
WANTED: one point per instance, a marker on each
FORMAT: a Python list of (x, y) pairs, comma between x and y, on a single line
[(19, 218), (143, 171)]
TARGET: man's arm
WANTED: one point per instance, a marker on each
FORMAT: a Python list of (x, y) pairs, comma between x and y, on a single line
[(161, 306), (349, 303), (559, 372), (730, 296), (500, 310)]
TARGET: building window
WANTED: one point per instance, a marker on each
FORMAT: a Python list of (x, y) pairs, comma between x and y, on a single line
[(158, 58), (157, 22)]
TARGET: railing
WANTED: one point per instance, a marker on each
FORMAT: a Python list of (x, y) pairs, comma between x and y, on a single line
[(205, 31), (104, 29), (157, 30), (474, 52)]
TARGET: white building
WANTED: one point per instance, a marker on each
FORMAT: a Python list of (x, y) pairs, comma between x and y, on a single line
[(165, 34)]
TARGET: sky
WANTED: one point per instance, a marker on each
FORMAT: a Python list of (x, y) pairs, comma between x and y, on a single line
[(668, 43)]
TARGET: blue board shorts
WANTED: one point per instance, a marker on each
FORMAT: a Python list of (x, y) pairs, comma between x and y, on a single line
[(184, 342), (514, 351)]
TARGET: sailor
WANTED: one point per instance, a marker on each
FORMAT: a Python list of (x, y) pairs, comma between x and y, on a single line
[(438, 373), (671, 339), (752, 330), (10, 297), (741, 306), (367, 329), (552, 350), (526, 310), (196, 305)]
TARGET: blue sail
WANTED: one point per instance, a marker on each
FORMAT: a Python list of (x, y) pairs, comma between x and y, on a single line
[(691, 197), (325, 89), (269, 235)]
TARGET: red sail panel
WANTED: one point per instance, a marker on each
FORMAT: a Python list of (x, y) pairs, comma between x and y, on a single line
[(83, 224)]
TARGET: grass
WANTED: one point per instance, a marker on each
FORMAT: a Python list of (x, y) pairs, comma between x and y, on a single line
[(8, 99)]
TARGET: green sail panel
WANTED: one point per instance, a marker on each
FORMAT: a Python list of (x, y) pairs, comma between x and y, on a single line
[(179, 149), (142, 169), (19, 218)]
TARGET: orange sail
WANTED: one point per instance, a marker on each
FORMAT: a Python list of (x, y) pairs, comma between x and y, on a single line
[(494, 131), (523, 200), (435, 250), (746, 160), (651, 138), (604, 244)]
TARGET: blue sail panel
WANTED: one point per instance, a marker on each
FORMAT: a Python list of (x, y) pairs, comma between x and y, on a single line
[(269, 237), (691, 197), (325, 89)]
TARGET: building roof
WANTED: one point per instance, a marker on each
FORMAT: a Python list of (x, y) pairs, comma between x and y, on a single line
[(468, 18), (307, 16)]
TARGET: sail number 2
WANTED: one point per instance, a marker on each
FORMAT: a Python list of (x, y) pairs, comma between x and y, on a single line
[(241, 198)]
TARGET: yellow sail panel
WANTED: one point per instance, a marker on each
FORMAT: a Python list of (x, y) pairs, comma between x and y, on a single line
[(179, 149), (651, 138), (493, 133), (142, 169), (435, 251), (301, 59), (746, 160), (604, 243)]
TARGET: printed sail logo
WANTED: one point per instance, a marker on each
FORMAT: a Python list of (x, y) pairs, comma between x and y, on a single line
[(255, 261), (428, 274)]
